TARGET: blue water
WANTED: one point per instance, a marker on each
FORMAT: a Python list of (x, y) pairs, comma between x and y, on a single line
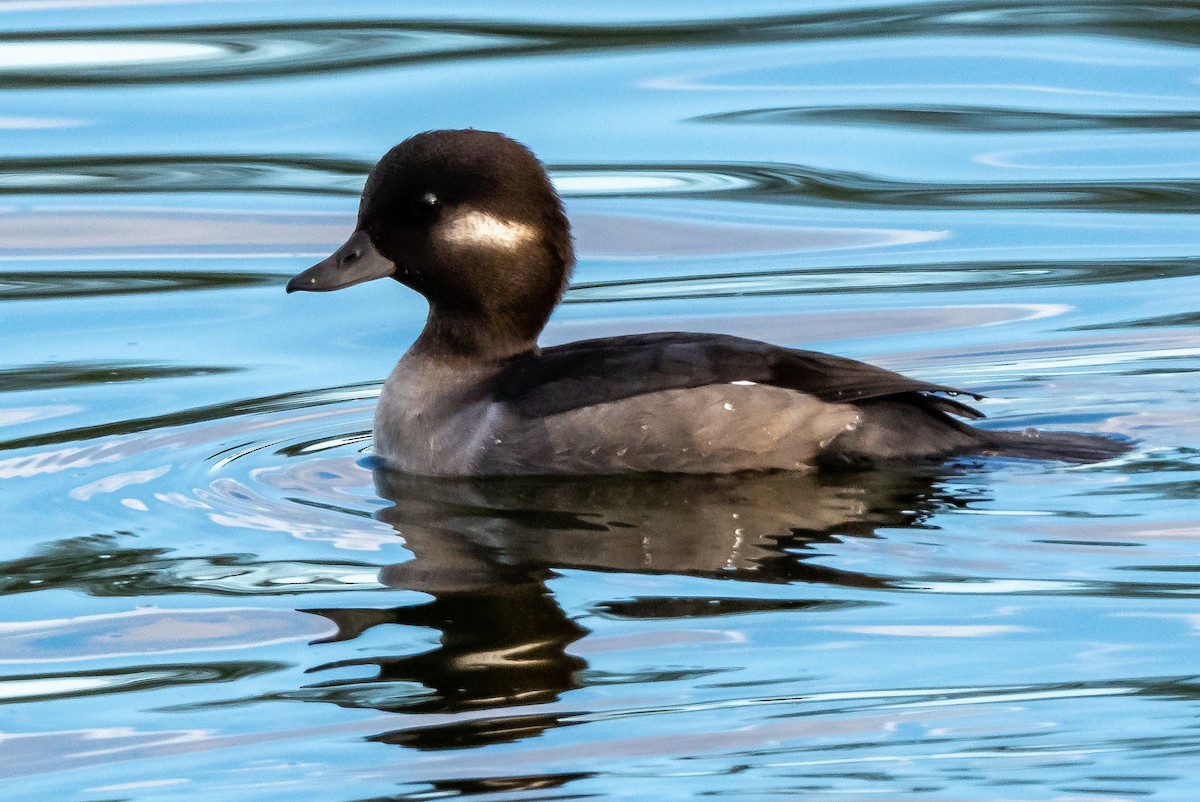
[(206, 592)]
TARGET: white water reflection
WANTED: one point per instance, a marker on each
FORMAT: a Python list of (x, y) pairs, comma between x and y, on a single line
[(118, 481), (153, 631), (1100, 160), (33, 56), (37, 123)]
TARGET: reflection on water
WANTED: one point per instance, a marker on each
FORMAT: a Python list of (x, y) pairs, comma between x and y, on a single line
[(483, 550), (467, 534), (206, 589)]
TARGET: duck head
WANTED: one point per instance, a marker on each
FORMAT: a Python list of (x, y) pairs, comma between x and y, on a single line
[(470, 220)]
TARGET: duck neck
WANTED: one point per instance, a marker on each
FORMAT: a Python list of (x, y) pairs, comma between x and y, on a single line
[(473, 337)]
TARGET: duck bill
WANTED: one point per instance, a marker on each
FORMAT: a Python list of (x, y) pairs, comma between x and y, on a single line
[(353, 263)]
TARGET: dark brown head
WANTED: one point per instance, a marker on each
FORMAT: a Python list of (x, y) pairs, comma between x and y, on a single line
[(470, 220)]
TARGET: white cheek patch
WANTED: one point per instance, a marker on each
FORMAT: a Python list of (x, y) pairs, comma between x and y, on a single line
[(485, 230)]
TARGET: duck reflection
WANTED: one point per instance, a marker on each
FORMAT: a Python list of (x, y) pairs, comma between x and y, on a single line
[(484, 550)]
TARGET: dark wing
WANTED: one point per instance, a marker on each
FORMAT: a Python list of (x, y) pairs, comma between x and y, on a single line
[(589, 372)]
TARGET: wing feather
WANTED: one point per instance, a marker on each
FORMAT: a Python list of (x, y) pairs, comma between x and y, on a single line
[(580, 374)]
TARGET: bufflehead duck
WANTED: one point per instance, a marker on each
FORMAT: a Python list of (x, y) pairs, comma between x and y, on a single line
[(470, 220)]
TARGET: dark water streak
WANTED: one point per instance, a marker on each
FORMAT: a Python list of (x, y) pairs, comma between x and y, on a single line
[(380, 42), (206, 414), (937, 277), (769, 183), (41, 285), (964, 118)]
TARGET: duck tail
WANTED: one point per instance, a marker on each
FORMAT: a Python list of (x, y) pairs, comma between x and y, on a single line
[(1066, 446)]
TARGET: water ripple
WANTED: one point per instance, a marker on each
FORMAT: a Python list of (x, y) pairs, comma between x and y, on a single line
[(28, 285), (151, 631), (797, 184), (775, 183), (66, 235), (139, 173), (159, 428), (75, 374), (975, 119), (43, 686), (952, 276), (845, 702), (227, 52), (107, 565), (222, 52)]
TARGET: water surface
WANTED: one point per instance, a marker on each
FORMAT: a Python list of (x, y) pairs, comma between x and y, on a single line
[(208, 591)]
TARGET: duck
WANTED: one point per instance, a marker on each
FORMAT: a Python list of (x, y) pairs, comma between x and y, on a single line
[(471, 221)]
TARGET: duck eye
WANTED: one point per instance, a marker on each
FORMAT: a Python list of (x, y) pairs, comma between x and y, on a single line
[(426, 205)]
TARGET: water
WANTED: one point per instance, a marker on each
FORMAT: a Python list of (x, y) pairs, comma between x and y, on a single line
[(207, 592)]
